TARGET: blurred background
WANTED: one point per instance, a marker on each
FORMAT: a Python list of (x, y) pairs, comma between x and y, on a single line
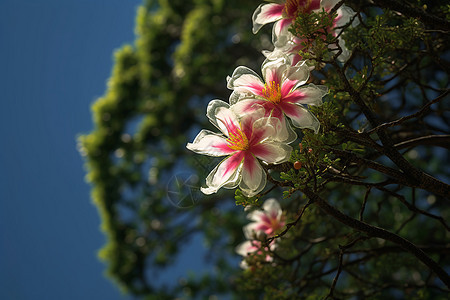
[(56, 57)]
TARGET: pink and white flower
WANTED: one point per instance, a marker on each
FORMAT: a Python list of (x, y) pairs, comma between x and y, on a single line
[(267, 221), (280, 92), (284, 14), (244, 140), (254, 248)]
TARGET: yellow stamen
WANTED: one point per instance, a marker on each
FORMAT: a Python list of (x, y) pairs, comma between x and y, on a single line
[(238, 140), (272, 92)]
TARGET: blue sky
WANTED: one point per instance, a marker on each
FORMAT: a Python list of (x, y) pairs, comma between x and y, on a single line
[(55, 59)]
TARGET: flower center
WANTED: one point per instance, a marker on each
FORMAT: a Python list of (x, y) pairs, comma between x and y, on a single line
[(292, 8), (272, 92), (237, 140)]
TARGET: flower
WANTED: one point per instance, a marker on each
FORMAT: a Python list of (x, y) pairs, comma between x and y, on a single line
[(284, 14), (254, 248), (280, 92), (244, 140), (267, 221)]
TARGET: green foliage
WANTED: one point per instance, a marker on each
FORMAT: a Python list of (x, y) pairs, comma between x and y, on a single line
[(314, 28), (243, 200)]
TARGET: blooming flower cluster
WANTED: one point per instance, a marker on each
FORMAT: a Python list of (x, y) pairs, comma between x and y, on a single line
[(253, 124), (284, 14), (265, 223), (256, 124)]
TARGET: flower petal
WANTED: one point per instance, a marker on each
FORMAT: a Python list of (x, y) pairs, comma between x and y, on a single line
[(296, 96), (253, 176), (226, 174), (255, 215), (247, 106), (248, 247), (280, 32), (245, 80), (285, 133), (274, 70), (250, 230), (266, 13), (272, 207), (213, 105), (227, 121), (210, 143), (261, 129), (297, 74), (300, 116), (272, 152), (313, 94), (235, 97), (328, 4)]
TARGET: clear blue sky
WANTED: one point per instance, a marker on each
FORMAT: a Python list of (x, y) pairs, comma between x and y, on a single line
[(55, 58)]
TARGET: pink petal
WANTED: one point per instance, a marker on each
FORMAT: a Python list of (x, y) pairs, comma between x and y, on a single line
[(280, 27), (300, 116), (226, 120), (262, 129), (246, 82), (294, 97), (247, 106), (287, 87), (266, 13), (272, 152), (253, 176), (255, 118), (272, 207), (226, 174), (314, 4), (210, 143), (273, 74), (232, 163)]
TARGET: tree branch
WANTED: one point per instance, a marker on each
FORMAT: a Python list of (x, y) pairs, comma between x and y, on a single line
[(378, 232)]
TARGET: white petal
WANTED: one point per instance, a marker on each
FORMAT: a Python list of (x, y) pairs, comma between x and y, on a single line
[(245, 248), (345, 55), (285, 133), (278, 65), (211, 111), (255, 216), (305, 119), (263, 15), (262, 128), (250, 232), (272, 205), (245, 80), (221, 177), (300, 72), (226, 120), (313, 94), (209, 143), (235, 97), (345, 14), (328, 4), (273, 152), (280, 35), (253, 178), (248, 106)]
